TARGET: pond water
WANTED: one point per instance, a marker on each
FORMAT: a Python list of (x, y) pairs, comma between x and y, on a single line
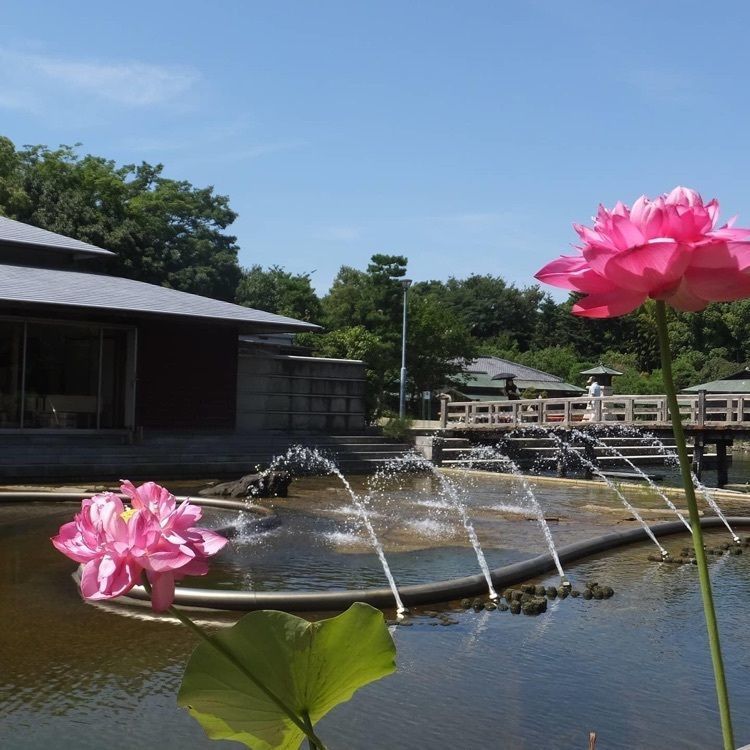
[(633, 668)]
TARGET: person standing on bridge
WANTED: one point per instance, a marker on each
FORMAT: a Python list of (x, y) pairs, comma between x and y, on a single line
[(593, 387), (594, 390)]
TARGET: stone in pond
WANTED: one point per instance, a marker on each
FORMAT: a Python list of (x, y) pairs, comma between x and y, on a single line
[(477, 605), (540, 590), (490, 606), (551, 592), (528, 588), (597, 593), (466, 603), (533, 607), (587, 594), (575, 593), (502, 607), (563, 591), (515, 607)]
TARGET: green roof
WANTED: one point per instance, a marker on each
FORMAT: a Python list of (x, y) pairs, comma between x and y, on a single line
[(721, 386), (546, 385), (482, 396), (601, 369)]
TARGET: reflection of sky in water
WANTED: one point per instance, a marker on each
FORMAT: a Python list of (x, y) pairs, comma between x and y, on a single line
[(633, 668)]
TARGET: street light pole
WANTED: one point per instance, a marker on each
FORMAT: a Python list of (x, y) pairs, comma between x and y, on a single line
[(405, 284)]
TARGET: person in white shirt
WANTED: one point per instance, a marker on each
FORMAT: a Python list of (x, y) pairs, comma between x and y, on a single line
[(594, 389)]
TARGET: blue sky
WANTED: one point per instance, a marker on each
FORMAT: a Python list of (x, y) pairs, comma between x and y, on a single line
[(466, 136)]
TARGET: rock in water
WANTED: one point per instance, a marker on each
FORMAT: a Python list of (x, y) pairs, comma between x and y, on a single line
[(265, 484)]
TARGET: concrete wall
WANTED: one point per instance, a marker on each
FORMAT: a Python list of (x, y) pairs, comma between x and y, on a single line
[(305, 394)]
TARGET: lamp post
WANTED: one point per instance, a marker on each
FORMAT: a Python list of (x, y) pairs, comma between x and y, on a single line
[(405, 284)]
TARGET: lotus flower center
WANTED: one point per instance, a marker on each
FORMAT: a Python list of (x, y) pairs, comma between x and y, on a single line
[(127, 514)]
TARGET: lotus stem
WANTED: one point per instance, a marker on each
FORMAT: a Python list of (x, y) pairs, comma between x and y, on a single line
[(700, 554)]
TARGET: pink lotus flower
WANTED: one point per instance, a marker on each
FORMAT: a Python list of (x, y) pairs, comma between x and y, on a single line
[(115, 545), (667, 249)]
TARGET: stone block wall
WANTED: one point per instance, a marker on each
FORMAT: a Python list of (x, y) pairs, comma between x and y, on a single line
[(299, 394)]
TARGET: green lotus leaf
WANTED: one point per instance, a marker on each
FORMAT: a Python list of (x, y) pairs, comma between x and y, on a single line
[(310, 666)]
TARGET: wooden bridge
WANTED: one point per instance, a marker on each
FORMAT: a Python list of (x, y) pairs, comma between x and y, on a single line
[(707, 419), (730, 414)]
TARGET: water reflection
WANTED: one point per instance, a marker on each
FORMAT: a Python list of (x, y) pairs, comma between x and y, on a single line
[(633, 668)]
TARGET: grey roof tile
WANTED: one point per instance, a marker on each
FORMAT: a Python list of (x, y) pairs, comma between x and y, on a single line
[(495, 365), (50, 286), (16, 233)]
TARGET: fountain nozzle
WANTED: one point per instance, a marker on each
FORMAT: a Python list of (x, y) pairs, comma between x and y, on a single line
[(493, 596), (566, 584), (737, 540), (401, 613), (664, 555)]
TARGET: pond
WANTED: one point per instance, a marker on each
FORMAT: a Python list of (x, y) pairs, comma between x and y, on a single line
[(633, 668)]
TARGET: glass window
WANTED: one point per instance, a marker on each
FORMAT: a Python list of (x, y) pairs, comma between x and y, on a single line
[(62, 376), (11, 367), (114, 373)]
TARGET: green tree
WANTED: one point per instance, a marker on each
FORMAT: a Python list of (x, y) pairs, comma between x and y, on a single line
[(278, 291), (370, 298), (163, 231), (438, 344), (490, 307)]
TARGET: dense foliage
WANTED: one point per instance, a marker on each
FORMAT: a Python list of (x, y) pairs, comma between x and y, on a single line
[(169, 232), (164, 231)]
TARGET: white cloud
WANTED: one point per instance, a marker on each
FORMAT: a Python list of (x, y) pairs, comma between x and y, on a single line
[(31, 80), (136, 84)]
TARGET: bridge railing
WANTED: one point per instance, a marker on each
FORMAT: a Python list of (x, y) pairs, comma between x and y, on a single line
[(698, 410)]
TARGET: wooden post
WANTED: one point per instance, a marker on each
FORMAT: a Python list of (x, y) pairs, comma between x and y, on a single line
[(566, 412), (597, 410), (443, 412), (698, 456), (701, 417), (629, 410), (722, 467)]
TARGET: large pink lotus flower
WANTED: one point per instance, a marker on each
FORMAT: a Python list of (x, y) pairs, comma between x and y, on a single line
[(668, 249), (115, 544)]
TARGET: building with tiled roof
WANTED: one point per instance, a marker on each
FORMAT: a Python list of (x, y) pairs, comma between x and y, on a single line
[(482, 381), (81, 350)]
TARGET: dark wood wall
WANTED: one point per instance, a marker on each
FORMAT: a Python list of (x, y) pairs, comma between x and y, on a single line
[(187, 376)]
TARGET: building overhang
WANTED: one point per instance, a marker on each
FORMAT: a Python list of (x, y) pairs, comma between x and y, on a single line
[(51, 291)]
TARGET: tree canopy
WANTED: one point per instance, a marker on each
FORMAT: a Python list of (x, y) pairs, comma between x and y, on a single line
[(278, 291), (163, 231)]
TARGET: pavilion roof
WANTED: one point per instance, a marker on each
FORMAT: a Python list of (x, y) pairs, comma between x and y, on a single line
[(601, 369), (19, 234)]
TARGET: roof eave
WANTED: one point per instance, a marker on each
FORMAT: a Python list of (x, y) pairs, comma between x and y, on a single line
[(76, 252)]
